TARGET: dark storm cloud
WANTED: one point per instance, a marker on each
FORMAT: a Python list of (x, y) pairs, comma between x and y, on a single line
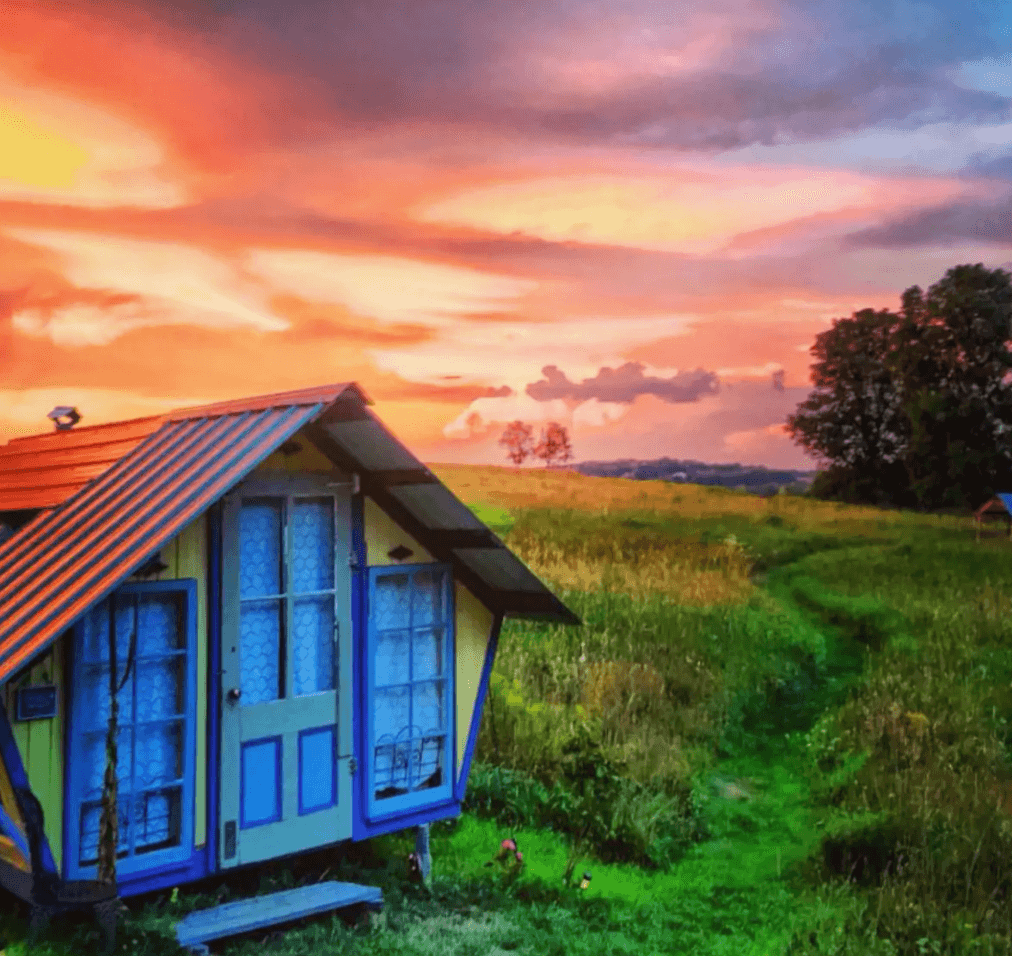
[(623, 385), (991, 166), (769, 106), (804, 70), (951, 222)]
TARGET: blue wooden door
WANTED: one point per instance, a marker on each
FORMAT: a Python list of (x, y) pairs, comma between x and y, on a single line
[(154, 627), (286, 669)]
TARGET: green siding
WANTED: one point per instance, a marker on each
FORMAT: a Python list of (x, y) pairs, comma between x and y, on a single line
[(41, 744)]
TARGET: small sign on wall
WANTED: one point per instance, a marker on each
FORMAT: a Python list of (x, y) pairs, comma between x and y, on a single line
[(35, 703)]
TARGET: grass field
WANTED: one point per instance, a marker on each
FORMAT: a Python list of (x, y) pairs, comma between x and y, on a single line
[(782, 728)]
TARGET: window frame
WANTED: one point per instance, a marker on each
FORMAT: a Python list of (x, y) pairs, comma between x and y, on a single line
[(288, 490), (135, 864), (386, 807)]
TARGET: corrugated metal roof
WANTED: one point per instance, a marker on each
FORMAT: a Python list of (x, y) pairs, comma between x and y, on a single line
[(40, 471), (67, 559)]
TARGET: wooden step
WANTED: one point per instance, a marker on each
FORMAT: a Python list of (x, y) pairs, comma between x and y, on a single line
[(261, 912)]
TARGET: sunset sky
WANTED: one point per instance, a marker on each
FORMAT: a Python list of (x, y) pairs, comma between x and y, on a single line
[(631, 217)]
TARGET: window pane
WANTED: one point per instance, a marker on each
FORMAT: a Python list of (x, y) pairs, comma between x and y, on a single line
[(314, 644), (312, 560), (390, 713), (159, 754), (160, 624), (91, 815), (428, 707), (427, 650), (259, 644), (161, 688), (391, 768), (158, 819), (94, 689), (427, 598), (392, 608), (392, 648), (260, 548), (95, 628), (427, 762)]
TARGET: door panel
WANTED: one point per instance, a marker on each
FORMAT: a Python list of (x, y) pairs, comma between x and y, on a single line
[(286, 669)]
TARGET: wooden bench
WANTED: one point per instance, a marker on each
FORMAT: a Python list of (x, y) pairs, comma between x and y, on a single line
[(260, 912)]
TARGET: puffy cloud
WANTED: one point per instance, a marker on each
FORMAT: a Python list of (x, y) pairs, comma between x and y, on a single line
[(484, 412), (623, 385), (596, 414)]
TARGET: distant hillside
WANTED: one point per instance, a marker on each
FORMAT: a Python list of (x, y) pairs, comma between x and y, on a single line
[(752, 478)]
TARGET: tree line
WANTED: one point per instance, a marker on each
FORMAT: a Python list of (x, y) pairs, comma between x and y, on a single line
[(518, 438), (913, 408)]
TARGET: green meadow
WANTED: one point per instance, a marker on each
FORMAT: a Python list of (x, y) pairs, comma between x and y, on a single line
[(782, 728)]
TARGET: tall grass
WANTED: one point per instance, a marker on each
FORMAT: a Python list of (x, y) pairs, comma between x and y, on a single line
[(796, 715), (909, 763)]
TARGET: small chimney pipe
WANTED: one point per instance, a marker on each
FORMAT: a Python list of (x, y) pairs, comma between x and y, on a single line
[(64, 417)]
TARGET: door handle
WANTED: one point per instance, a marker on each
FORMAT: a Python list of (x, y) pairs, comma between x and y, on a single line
[(233, 695)]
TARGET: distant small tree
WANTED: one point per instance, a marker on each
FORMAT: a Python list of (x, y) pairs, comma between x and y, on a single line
[(554, 445), (517, 439)]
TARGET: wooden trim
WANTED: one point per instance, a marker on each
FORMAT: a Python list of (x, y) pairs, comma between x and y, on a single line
[(403, 476), (460, 785)]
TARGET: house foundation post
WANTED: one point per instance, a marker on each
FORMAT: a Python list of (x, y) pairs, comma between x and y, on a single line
[(422, 852)]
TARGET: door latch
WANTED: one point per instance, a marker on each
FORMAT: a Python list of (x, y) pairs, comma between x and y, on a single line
[(352, 763)]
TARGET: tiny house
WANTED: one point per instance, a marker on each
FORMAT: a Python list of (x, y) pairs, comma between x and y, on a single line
[(298, 619), (998, 508)]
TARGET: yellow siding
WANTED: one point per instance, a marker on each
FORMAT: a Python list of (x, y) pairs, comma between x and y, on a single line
[(474, 629), (191, 562), (308, 458), (41, 744), (383, 534)]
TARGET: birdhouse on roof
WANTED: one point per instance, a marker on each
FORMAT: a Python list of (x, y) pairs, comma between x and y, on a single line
[(998, 508), (300, 620)]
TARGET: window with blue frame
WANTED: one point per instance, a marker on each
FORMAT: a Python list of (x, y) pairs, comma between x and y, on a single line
[(409, 713), (287, 595), (154, 628)]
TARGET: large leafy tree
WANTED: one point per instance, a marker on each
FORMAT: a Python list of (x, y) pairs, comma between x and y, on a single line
[(914, 407), (952, 362), (854, 422)]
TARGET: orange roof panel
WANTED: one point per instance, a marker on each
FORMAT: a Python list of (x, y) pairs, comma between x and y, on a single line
[(40, 471)]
